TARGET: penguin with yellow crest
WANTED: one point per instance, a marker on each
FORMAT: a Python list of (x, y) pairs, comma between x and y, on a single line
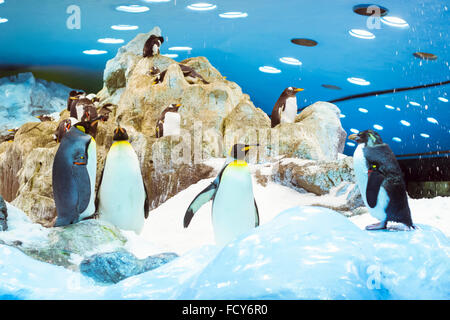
[(122, 197), (234, 209)]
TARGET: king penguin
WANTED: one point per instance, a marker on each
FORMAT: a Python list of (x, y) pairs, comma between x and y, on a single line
[(234, 209), (168, 123), (380, 180), (285, 109), (122, 196), (74, 174)]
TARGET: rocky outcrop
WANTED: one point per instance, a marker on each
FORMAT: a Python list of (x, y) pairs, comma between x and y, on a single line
[(67, 246), (112, 267), (3, 215), (214, 116), (317, 177), (317, 134)]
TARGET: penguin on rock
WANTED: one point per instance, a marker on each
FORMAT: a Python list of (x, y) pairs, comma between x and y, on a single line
[(380, 180), (168, 123), (152, 45), (234, 209), (285, 109), (74, 174), (122, 196)]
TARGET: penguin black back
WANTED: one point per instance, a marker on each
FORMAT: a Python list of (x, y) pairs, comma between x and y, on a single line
[(384, 171), (151, 45), (70, 178)]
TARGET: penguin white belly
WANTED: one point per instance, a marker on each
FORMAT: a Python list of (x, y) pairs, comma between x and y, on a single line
[(361, 173), (92, 171), (171, 126), (80, 111), (155, 49), (122, 194), (290, 110), (233, 211)]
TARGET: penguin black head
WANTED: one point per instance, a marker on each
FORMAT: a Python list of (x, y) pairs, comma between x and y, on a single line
[(120, 134), (154, 71), (174, 107), (291, 91), (368, 137), (240, 150)]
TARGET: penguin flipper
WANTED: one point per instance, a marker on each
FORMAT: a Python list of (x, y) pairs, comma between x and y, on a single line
[(97, 199), (373, 188), (147, 202), (81, 177), (202, 198), (256, 214)]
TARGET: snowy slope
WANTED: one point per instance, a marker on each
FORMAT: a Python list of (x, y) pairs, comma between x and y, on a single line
[(302, 253), (22, 97)]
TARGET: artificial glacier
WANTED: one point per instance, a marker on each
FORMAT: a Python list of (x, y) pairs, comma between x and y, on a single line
[(23, 97), (304, 252)]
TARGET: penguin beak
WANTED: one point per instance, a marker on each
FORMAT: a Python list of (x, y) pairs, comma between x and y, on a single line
[(178, 105), (154, 82), (298, 89), (250, 146), (354, 137), (73, 98)]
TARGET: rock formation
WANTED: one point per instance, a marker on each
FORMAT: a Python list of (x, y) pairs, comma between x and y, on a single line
[(112, 267), (214, 117)]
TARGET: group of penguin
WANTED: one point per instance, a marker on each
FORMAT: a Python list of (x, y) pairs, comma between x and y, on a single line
[(122, 197)]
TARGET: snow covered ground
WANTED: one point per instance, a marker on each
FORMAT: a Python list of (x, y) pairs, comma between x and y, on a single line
[(23, 97), (298, 252)]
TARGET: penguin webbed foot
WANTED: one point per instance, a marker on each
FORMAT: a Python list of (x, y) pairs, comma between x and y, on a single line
[(376, 226)]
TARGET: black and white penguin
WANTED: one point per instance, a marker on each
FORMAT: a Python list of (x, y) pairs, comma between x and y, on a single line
[(191, 76), (152, 45), (168, 123), (73, 97), (285, 109), (74, 174), (380, 180), (234, 209), (122, 195), (63, 127)]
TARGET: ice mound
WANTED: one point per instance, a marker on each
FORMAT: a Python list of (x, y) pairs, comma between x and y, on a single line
[(22, 97), (303, 253)]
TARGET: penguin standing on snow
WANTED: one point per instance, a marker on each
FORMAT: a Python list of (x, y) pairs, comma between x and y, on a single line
[(168, 123), (234, 209), (380, 180), (152, 45), (74, 174), (285, 109), (122, 196)]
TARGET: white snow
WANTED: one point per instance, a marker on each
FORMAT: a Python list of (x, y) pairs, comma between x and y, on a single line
[(301, 253), (23, 97)]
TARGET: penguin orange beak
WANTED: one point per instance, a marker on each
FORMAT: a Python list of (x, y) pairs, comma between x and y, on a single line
[(73, 98), (178, 105), (354, 137), (298, 89)]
